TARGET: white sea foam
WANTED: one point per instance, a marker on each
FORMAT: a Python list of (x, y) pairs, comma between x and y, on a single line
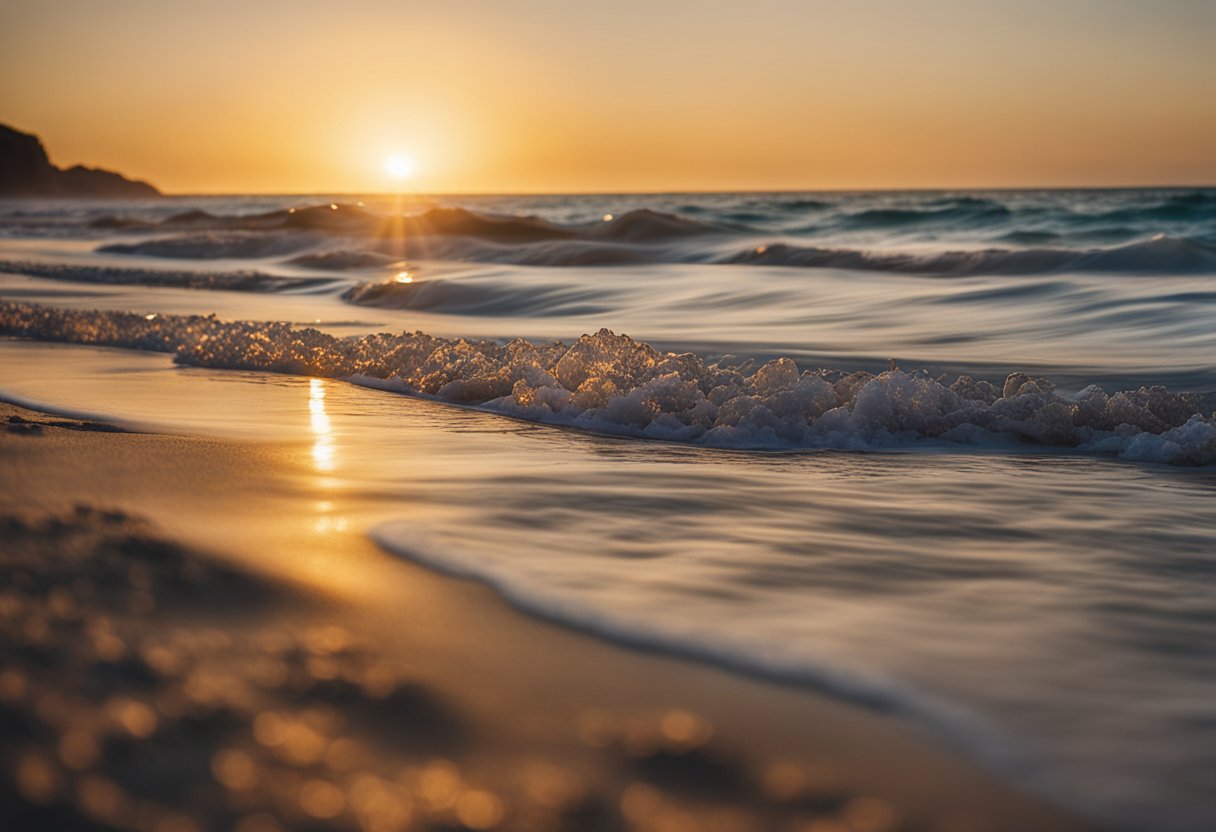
[(613, 384)]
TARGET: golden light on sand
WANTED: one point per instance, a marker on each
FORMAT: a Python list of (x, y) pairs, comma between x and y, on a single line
[(399, 166)]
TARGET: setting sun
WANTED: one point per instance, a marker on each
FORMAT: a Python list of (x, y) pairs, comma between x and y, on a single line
[(399, 166)]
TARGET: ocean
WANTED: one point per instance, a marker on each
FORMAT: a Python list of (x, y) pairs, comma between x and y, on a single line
[(948, 455)]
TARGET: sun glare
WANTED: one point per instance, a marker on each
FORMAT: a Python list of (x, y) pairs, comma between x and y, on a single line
[(399, 166)]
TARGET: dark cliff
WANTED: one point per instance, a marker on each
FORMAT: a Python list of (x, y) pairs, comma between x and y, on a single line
[(25, 170)]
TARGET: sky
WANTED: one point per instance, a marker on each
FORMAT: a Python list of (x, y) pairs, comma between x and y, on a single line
[(531, 96)]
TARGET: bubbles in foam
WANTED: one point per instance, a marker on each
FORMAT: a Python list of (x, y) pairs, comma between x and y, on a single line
[(613, 384)]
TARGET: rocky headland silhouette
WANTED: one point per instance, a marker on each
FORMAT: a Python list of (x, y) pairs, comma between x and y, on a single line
[(26, 170)]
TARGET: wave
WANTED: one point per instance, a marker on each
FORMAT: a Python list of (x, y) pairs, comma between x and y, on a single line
[(971, 211), (1029, 237), (341, 260), (192, 217), (968, 211), (438, 233), (1190, 207), (644, 225), (645, 235), (964, 218), (641, 225), (609, 383), (548, 253), (210, 246), (241, 281), (807, 204), (1160, 255), (481, 298), (460, 222)]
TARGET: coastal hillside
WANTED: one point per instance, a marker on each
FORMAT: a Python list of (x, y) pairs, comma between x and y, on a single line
[(26, 170)]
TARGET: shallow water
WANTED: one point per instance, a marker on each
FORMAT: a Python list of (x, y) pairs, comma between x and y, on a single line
[(1052, 614)]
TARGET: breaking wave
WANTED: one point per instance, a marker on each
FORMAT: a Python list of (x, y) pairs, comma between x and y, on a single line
[(609, 383)]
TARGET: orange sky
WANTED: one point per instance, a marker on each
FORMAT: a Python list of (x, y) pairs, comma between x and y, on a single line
[(542, 95)]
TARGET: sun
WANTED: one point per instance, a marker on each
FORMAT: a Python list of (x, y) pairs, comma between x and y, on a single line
[(399, 166)]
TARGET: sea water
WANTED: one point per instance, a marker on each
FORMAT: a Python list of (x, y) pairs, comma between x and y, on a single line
[(944, 454)]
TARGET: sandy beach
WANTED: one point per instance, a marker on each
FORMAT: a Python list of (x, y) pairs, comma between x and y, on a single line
[(184, 651)]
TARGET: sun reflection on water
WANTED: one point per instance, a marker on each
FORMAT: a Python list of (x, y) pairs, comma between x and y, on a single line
[(323, 459), (325, 521), (323, 445)]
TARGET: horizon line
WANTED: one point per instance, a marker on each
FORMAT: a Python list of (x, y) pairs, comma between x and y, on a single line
[(704, 192)]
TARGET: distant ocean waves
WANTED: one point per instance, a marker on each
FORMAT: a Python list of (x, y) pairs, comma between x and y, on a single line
[(961, 234), (1159, 255), (940, 238)]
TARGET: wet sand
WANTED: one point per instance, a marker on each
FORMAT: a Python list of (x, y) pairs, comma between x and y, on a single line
[(186, 648)]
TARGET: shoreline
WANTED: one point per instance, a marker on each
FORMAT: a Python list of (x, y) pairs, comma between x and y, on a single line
[(766, 755)]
